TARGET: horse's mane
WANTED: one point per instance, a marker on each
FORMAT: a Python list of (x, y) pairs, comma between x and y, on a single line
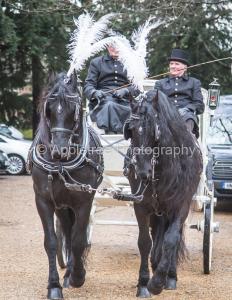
[(178, 175)]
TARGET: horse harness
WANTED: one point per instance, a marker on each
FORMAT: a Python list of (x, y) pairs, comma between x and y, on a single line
[(62, 169)]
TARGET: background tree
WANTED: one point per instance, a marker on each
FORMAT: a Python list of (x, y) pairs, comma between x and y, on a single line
[(34, 35), (203, 27), (33, 38)]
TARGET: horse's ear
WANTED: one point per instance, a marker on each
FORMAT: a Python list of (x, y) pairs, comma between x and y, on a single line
[(74, 79), (155, 99), (127, 131), (131, 99), (51, 77)]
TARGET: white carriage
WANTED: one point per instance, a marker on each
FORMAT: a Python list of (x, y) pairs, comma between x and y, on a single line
[(115, 147)]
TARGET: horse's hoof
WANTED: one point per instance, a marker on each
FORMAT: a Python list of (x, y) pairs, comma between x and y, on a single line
[(170, 284), (55, 293), (66, 282), (142, 292), (77, 281), (154, 287)]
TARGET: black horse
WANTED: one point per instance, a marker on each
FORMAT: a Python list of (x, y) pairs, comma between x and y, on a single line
[(67, 166), (164, 168)]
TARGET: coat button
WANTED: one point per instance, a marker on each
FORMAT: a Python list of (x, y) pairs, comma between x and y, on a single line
[(176, 96), (175, 101), (115, 71), (115, 77), (176, 89), (176, 83), (115, 66)]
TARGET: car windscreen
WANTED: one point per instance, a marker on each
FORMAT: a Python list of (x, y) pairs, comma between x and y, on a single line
[(7, 135), (221, 130)]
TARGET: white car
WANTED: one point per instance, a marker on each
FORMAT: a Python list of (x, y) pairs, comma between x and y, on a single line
[(17, 151), (12, 131)]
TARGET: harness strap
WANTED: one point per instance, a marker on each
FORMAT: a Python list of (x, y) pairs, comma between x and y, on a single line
[(95, 165), (59, 129), (76, 185)]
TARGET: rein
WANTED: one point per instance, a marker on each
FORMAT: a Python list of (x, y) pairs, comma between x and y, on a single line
[(167, 73)]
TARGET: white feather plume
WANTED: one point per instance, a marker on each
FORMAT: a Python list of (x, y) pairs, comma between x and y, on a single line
[(87, 39), (134, 65), (140, 36), (133, 58)]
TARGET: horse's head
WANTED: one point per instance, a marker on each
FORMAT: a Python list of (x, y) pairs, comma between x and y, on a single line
[(63, 114), (143, 129)]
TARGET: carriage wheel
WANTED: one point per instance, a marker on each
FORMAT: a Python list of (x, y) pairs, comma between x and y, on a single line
[(61, 246), (208, 237)]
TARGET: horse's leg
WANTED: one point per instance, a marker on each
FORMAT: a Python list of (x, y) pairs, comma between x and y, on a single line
[(171, 241), (67, 218), (172, 274), (144, 244), (46, 212), (177, 254), (158, 227), (79, 244)]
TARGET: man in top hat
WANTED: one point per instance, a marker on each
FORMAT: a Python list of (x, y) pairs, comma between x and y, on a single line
[(110, 108), (183, 90)]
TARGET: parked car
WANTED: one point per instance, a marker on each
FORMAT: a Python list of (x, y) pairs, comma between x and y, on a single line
[(4, 161), (17, 151), (219, 142), (11, 131)]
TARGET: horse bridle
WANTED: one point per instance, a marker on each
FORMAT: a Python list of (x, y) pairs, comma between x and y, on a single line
[(154, 161), (61, 129), (157, 136)]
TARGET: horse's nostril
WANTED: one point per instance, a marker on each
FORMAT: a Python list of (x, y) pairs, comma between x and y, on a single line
[(56, 155), (143, 176)]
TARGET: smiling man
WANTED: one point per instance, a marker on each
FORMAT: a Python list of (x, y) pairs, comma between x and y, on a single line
[(183, 90)]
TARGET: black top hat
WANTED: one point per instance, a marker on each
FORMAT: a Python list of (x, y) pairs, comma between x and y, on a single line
[(179, 55)]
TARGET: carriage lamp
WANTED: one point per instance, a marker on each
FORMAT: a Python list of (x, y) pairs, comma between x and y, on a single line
[(213, 94), (213, 97), (3, 5)]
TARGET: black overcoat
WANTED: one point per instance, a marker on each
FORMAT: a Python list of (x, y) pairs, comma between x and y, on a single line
[(184, 92), (106, 74)]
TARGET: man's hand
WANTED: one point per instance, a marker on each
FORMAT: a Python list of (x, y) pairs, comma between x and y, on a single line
[(121, 93), (99, 95)]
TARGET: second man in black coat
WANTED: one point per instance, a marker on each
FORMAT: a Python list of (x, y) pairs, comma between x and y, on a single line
[(184, 91)]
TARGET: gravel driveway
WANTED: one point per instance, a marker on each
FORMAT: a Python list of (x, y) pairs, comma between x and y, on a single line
[(113, 262)]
